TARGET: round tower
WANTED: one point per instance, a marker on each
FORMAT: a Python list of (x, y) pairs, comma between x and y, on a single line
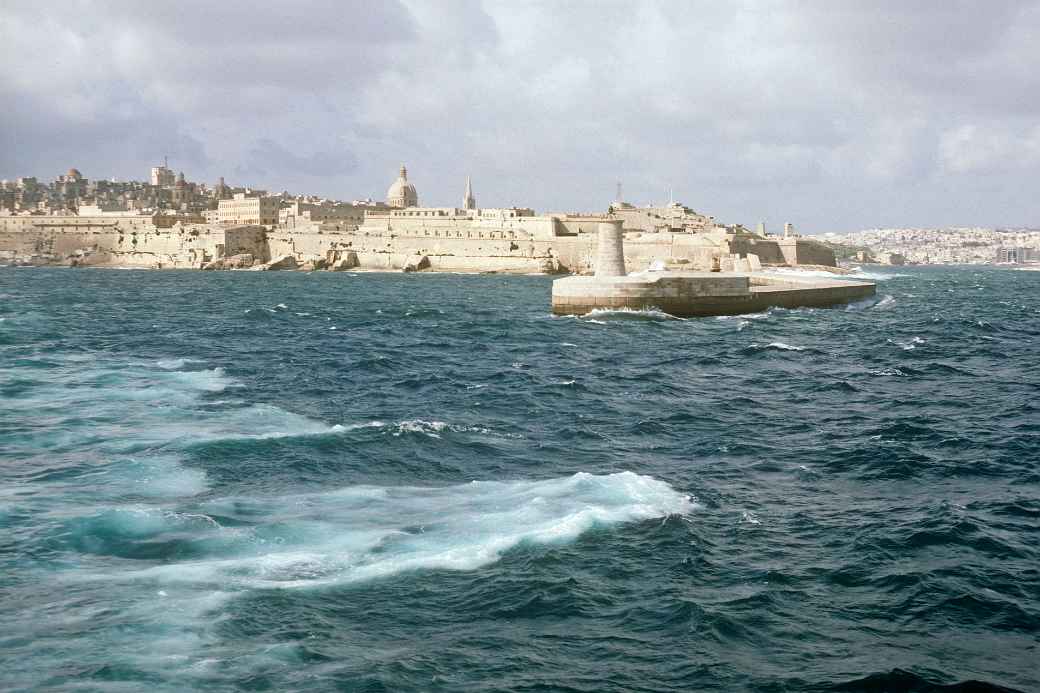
[(610, 256)]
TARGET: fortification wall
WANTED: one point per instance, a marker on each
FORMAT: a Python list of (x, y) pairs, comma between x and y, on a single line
[(784, 251), (128, 241), (811, 252), (524, 244)]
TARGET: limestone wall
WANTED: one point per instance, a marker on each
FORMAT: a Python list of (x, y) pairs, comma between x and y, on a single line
[(784, 251), (812, 252), (522, 244), (125, 241)]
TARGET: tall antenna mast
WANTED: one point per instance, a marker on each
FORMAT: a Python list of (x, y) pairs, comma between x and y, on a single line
[(618, 198)]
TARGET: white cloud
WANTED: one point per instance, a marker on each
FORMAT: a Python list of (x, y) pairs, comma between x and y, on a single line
[(809, 111)]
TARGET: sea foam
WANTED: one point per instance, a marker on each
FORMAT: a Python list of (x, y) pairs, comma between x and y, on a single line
[(368, 532), (630, 314)]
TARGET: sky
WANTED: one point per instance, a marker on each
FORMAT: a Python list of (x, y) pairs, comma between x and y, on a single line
[(832, 115)]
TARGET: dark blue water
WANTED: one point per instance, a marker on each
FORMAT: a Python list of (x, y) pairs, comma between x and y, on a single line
[(287, 481)]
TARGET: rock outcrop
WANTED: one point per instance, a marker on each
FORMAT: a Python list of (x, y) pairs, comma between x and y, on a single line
[(340, 260), (242, 261), (283, 262), (417, 265)]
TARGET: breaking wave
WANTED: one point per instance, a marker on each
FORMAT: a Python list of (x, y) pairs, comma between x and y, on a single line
[(367, 532), (653, 314)]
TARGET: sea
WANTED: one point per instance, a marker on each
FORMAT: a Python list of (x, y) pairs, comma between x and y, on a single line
[(285, 481)]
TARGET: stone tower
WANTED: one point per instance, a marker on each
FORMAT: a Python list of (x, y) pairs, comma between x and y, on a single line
[(610, 256), (468, 201), (180, 188), (221, 191)]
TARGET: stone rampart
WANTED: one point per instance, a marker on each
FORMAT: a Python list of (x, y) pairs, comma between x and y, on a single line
[(521, 244), (122, 241)]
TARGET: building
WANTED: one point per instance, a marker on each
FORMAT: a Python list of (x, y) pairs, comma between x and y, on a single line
[(162, 177), (468, 201), (71, 186), (1017, 256), (296, 213), (244, 209), (402, 193), (106, 209), (673, 218), (221, 191)]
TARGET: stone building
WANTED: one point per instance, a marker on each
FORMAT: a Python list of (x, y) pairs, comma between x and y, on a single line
[(468, 201), (674, 218), (297, 213), (71, 186), (161, 177), (245, 209), (402, 193), (179, 194), (221, 191)]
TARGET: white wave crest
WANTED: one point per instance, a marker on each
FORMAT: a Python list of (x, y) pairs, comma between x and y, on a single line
[(433, 429), (908, 345), (876, 276), (368, 532), (886, 301), (175, 364), (646, 313), (780, 346)]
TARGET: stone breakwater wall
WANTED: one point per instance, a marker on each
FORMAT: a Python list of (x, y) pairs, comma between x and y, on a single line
[(699, 294), (138, 242)]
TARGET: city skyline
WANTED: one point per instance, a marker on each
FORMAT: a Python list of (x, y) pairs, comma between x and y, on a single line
[(832, 116)]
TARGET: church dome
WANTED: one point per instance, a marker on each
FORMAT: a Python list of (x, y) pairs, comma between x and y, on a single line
[(402, 193)]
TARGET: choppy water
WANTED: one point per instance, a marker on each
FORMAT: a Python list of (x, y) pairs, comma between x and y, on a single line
[(286, 481)]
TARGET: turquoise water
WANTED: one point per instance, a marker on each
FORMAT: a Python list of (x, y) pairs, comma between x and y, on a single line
[(380, 482)]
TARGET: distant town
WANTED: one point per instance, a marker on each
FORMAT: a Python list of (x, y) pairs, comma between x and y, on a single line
[(940, 246), (164, 193), (169, 222)]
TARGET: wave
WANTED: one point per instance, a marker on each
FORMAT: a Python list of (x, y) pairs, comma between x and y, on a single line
[(902, 680), (882, 372), (784, 347), (774, 346), (908, 345), (141, 418), (361, 533), (653, 314), (876, 276), (175, 364)]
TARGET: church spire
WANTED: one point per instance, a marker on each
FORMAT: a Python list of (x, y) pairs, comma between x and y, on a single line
[(468, 201)]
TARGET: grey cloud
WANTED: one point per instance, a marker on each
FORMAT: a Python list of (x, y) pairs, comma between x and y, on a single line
[(832, 114), (267, 158)]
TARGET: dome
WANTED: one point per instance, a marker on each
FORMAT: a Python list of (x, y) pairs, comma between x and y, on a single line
[(74, 174), (402, 193)]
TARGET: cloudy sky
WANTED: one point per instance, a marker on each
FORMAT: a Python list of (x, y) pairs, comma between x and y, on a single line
[(833, 115)]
